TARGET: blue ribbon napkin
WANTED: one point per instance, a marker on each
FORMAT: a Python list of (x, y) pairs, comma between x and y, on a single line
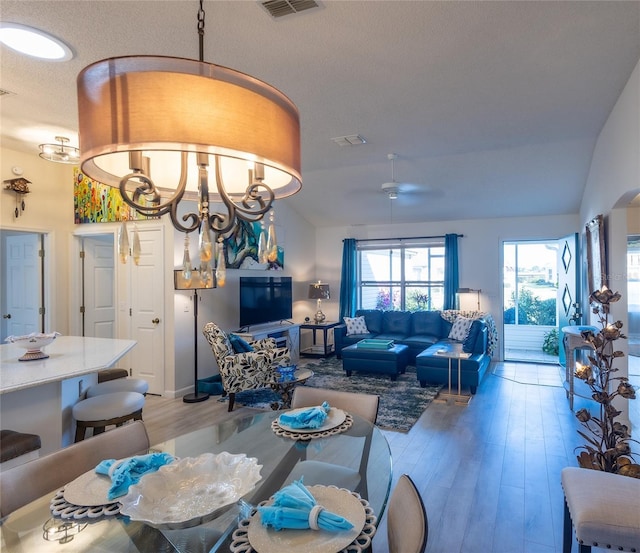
[(294, 507), (313, 417), (129, 471)]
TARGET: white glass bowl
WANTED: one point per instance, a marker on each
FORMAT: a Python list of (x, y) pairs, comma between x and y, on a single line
[(191, 491), (33, 343)]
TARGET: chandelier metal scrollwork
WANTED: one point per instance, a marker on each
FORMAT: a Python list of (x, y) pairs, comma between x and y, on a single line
[(179, 116)]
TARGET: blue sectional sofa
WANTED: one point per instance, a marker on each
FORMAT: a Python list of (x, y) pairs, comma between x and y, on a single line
[(425, 333)]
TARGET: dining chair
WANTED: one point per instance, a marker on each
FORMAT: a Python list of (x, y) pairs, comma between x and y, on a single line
[(22, 484), (364, 405), (248, 370), (316, 472), (407, 523)]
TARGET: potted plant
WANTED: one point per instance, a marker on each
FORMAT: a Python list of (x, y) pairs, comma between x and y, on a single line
[(608, 441)]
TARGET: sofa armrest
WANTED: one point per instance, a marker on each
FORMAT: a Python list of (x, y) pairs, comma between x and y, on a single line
[(339, 332)]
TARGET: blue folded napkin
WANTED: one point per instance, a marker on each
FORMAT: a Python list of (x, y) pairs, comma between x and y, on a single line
[(294, 507), (129, 471), (313, 417)]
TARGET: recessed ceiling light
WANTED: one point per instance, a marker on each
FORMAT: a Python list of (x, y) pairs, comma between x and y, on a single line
[(33, 42)]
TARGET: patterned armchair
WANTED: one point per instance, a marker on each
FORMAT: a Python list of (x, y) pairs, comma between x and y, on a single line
[(249, 370)]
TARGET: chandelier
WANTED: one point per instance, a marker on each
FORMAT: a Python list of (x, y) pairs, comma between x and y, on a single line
[(60, 153), (165, 129)]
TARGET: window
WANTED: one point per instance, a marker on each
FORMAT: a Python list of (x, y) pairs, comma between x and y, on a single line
[(401, 274)]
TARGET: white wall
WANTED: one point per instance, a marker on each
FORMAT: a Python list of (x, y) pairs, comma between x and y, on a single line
[(479, 252), (613, 181), (49, 209)]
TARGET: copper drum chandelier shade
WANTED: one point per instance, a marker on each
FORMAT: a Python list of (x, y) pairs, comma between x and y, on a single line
[(164, 129)]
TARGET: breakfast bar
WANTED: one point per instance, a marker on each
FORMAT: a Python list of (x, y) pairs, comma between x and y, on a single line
[(37, 396)]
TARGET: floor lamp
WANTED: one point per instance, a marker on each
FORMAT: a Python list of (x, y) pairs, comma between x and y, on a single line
[(195, 284)]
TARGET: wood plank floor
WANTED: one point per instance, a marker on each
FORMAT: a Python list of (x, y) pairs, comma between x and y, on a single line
[(489, 472)]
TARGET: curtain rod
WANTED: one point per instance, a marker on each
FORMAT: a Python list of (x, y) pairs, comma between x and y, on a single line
[(404, 238)]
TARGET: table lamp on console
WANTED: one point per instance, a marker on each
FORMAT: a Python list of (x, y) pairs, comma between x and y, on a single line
[(319, 291)]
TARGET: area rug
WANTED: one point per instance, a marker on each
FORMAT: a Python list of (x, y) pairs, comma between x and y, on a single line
[(401, 402)]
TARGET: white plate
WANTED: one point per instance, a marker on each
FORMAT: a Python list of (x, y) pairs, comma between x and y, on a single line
[(335, 417), (341, 502), (192, 490), (89, 490)]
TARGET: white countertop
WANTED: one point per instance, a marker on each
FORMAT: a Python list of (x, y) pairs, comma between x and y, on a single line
[(69, 356)]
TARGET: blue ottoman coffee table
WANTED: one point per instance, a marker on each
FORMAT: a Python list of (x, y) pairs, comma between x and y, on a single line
[(392, 361)]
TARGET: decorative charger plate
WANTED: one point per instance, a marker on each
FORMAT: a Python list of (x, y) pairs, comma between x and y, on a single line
[(89, 490), (314, 433), (252, 536), (335, 417), (191, 491)]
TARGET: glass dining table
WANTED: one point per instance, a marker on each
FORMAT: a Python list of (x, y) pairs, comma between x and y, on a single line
[(361, 450)]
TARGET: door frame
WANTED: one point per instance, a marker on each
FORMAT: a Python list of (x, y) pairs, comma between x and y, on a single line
[(75, 277), (49, 283)]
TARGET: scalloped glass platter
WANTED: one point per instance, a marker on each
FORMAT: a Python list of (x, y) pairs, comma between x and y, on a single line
[(339, 501), (335, 417), (191, 491)]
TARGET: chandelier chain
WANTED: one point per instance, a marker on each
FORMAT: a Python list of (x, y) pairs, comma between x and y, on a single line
[(201, 15)]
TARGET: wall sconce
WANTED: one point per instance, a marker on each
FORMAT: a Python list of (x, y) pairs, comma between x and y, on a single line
[(469, 291), (319, 291)]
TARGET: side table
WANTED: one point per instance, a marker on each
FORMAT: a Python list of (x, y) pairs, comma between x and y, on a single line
[(449, 395), (284, 386), (319, 350)]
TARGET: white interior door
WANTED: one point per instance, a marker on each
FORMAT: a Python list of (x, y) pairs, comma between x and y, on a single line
[(147, 309), (99, 287), (22, 288)]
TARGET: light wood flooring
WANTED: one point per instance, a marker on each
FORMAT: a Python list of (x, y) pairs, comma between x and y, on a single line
[(489, 472)]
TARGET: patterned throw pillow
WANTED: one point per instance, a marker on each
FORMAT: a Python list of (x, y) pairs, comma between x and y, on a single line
[(356, 325), (239, 344), (460, 329)]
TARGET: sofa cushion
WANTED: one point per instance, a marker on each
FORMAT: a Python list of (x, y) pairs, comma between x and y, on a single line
[(355, 325), (426, 322), (470, 341), (373, 318), (396, 322), (460, 329)]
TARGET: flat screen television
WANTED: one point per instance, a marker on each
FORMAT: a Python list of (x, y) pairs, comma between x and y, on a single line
[(265, 300)]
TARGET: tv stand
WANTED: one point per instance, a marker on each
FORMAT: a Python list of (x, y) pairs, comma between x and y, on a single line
[(284, 333)]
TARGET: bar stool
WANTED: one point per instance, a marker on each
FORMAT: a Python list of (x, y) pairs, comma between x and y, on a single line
[(111, 374), (119, 385), (104, 410), (603, 508), (17, 448)]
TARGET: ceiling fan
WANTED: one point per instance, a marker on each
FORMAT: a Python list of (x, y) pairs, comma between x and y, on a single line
[(393, 188)]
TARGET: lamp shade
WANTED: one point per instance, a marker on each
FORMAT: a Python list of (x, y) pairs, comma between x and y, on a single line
[(319, 291), (165, 106), (195, 283)]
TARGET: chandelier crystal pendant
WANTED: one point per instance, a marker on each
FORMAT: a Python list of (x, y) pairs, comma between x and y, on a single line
[(166, 129)]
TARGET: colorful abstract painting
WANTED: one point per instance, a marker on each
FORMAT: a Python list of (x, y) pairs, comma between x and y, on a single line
[(241, 248), (94, 202)]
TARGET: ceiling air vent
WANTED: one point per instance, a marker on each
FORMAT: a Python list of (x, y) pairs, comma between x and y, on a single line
[(280, 8), (350, 140)]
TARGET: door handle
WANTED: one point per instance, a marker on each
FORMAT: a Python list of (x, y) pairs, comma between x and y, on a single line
[(7, 316), (155, 321)]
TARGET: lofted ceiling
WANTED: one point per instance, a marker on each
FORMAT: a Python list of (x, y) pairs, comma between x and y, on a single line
[(492, 107)]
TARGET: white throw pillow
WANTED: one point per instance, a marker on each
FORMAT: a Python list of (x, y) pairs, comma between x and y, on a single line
[(460, 329), (356, 325)]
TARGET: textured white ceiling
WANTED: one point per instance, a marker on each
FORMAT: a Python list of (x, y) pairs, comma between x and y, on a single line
[(493, 107)]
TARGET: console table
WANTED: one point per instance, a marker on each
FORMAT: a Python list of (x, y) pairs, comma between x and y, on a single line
[(326, 348), (572, 341), (285, 335)]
